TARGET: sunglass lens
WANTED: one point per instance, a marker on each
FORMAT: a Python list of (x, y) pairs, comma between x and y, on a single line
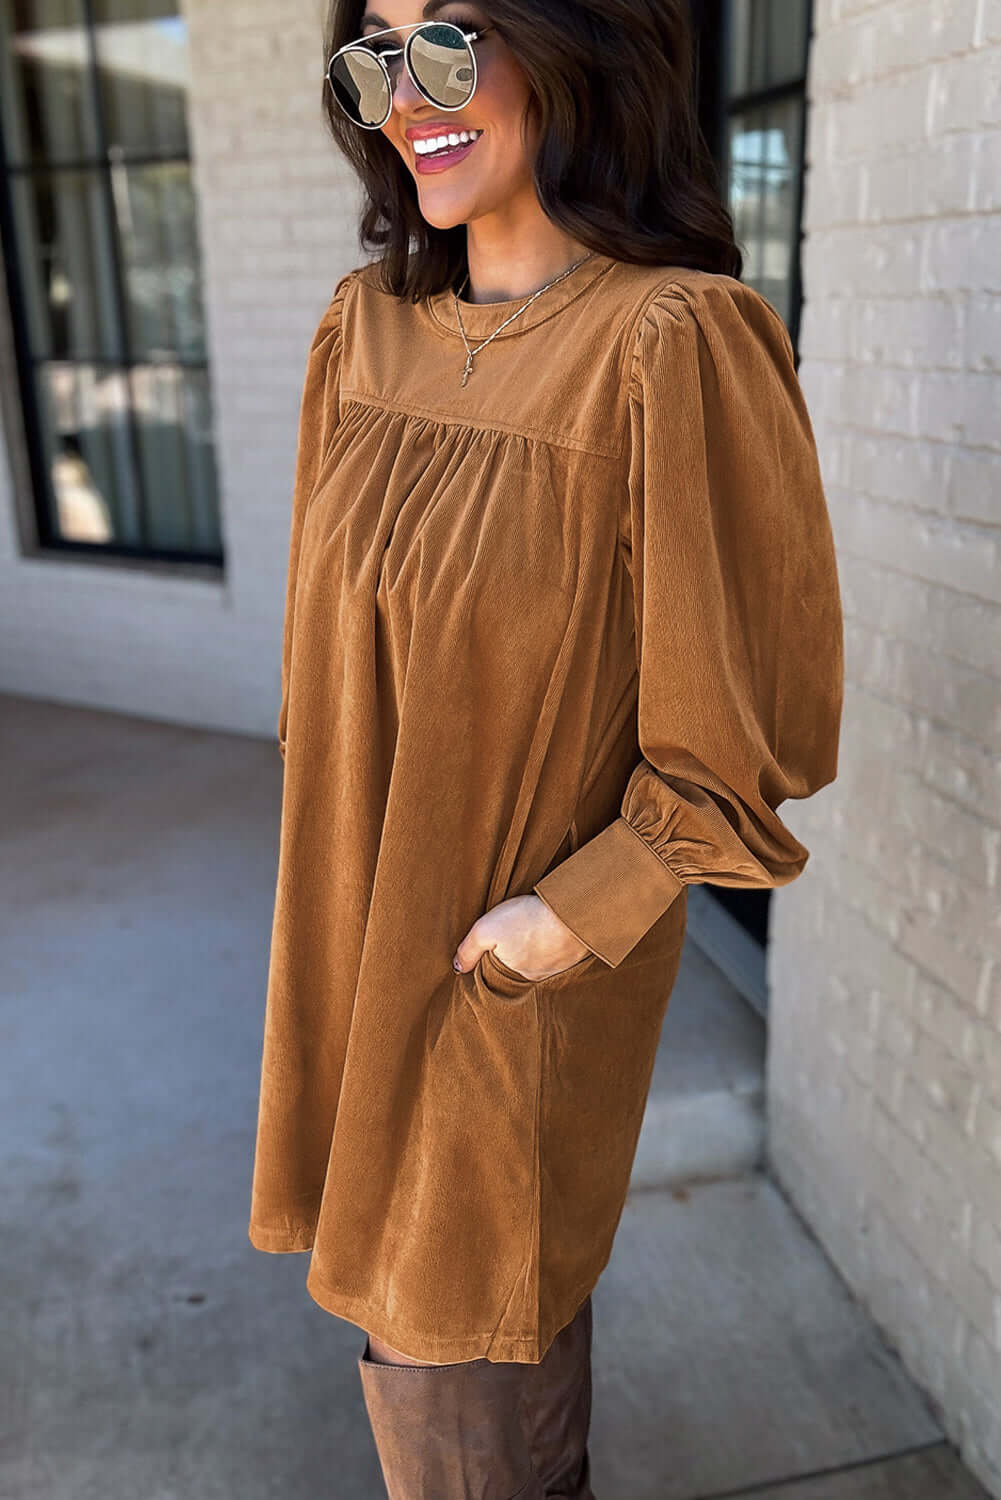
[(360, 86), (443, 64)]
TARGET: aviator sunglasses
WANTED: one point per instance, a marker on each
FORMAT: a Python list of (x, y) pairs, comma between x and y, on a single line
[(438, 56)]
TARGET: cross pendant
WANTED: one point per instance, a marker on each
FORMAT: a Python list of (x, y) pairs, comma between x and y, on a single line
[(469, 366)]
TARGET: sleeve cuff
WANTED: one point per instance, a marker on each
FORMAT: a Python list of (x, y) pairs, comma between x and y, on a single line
[(610, 891)]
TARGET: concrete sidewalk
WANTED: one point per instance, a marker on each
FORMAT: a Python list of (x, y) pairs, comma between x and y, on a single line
[(151, 1353)]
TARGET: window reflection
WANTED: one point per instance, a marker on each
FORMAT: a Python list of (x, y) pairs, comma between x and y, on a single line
[(156, 212), (46, 105), (107, 271), (764, 151), (767, 43), (85, 414), (765, 75), (67, 264), (142, 59)]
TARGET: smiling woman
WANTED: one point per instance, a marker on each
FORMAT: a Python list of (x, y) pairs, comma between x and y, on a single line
[(562, 632), (559, 88)]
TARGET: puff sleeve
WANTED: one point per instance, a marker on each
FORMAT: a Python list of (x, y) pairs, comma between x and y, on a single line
[(738, 623), (318, 415)]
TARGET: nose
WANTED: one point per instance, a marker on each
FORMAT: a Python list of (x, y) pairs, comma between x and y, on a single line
[(405, 92)]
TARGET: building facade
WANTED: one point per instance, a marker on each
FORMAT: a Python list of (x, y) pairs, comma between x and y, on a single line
[(174, 219), (884, 1058)]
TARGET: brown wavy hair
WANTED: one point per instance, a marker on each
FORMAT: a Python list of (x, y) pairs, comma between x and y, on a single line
[(627, 172)]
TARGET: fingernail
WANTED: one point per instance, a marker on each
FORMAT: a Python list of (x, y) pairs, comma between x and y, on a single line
[(456, 966)]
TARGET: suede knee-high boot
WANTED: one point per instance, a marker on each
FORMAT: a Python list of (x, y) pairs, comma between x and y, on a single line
[(449, 1432), (556, 1411)]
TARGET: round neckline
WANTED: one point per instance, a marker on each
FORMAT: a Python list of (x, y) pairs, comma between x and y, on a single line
[(481, 319)]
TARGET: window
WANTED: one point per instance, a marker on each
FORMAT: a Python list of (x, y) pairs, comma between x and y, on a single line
[(764, 105), (99, 226)]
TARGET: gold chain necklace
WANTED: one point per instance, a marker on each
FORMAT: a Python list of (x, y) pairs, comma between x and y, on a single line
[(471, 352)]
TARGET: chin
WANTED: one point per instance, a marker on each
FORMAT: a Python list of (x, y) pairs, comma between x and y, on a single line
[(443, 222), (449, 218)]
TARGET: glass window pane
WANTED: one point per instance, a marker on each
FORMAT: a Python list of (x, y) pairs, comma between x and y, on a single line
[(46, 99), (142, 53), (158, 229), (173, 419), (764, 167), (786, 40), (767, 44), (88, 448), (67, 266), (739, 61), (744, 157), (199, 435)]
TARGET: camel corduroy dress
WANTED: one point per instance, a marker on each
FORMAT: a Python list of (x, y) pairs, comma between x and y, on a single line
[(575, 629)]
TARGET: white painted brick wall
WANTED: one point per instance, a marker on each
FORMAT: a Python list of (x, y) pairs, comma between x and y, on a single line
[(278, 222), (884, 1068)]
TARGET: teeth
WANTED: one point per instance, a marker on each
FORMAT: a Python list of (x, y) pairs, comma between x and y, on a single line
[(453, 138)]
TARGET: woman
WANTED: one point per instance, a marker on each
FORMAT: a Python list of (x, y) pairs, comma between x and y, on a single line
[(562, 632)]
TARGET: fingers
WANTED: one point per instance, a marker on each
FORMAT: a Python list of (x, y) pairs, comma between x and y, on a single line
[(476, 941), (500, 922), (467, 954)]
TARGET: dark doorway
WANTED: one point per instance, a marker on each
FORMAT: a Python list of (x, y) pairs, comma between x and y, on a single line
[(751, 65)]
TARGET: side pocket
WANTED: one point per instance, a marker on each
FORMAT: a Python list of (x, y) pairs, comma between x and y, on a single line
[(498, 980)]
